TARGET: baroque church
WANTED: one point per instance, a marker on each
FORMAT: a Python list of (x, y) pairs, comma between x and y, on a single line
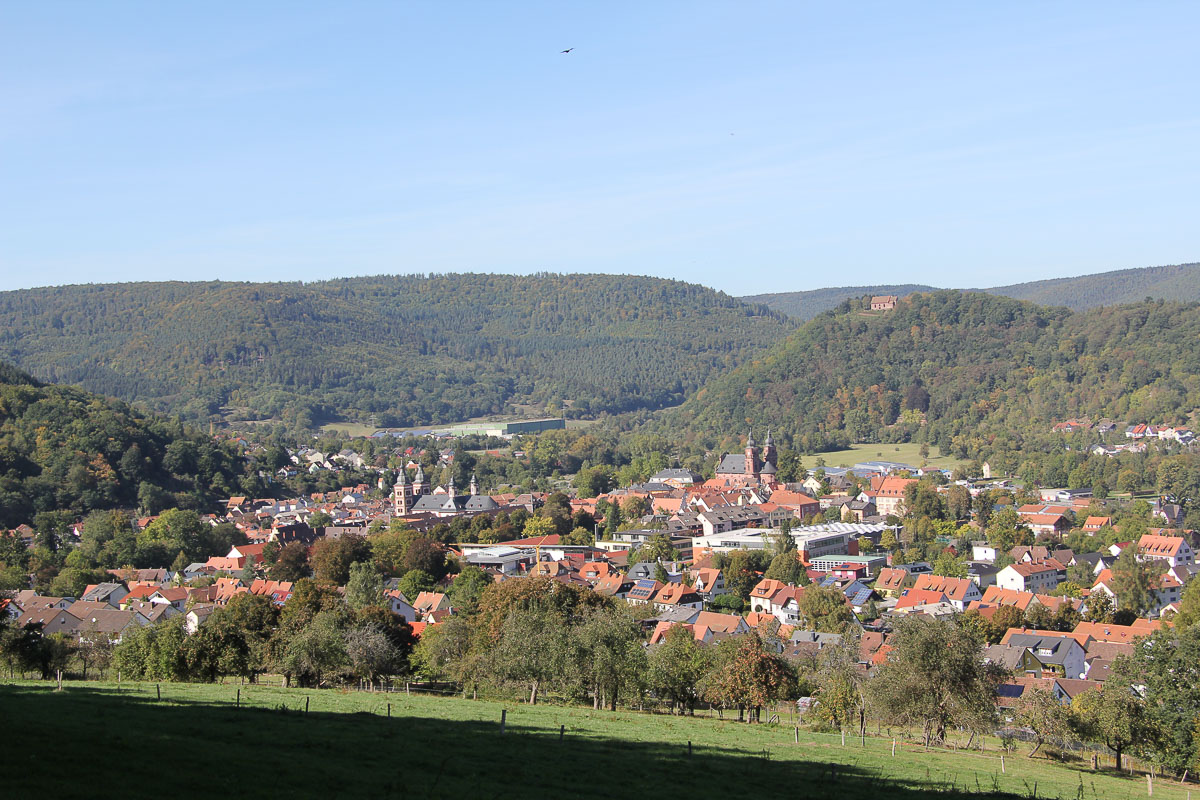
[(753, 467), (418, 498)]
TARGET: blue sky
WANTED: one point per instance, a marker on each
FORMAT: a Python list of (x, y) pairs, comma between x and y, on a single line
[(748, 146)]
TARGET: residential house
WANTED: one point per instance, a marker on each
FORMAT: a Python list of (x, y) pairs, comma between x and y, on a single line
[(889, 496), (1039, 576), (678, 595), (890, 581), (1174, 550), (643, 592), (709, 582), (1060, 655), (959, 591)]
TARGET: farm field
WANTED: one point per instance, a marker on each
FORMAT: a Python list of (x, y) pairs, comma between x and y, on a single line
[(906, 453), (198, 743)]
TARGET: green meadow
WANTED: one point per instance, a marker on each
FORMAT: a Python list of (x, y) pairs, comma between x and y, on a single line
[(906, 453), (91, 738)]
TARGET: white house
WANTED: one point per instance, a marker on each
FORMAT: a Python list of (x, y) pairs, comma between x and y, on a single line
[(1036, 577)]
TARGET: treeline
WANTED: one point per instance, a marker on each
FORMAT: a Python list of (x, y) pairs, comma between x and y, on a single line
[(408, 349), (66, 452), (974, 374)]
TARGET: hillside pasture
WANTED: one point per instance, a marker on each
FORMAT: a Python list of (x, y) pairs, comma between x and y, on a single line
[(196, 741)]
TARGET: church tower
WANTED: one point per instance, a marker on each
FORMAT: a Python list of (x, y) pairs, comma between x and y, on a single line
[(751, 457), (768, 454), (402, 493), (474, 485), (420, 487)]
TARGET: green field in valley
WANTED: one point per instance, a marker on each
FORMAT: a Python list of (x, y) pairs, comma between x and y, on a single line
[(906, 453), (195, 742)]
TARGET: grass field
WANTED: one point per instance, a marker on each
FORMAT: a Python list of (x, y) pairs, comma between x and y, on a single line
[(91, 738), (907, 453)]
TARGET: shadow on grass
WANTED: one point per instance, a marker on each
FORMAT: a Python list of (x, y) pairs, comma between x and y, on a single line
[(92, 741)]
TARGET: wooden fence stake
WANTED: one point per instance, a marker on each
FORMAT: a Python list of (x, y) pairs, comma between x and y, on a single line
[(689, 748), (389, 710), (158, 690), (239, 698), (59, 680), (562, 729), (1002, 763), (843, 737), (1149, 786), (893, 748), (503, 718), (306, 705), (796, 731)]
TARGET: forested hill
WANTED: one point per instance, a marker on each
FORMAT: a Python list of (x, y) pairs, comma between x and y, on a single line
[(409, 349), (1180, 282), (65, 450), (806, 305), (982, 370)]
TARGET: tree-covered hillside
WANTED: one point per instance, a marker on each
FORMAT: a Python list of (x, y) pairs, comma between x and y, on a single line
[(1180, 282), (969, 372), (65, 450), (409, 349), (806, 305)]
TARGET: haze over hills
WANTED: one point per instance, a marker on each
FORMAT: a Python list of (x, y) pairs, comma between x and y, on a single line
[(971, 372), (1177, 282), (409, 349)]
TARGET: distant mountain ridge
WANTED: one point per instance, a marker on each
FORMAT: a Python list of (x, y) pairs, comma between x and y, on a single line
[(1175, 282), (406, 349)]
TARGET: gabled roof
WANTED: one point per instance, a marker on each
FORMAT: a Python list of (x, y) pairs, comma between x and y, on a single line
[(890, 578), (954, 588)]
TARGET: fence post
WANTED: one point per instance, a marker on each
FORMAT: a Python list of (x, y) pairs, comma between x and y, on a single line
[(306, 705), (796, 733), (1149, 786), (893, 748), (562, 729), (389, 710), (59, 679), (1002, 763), (843, 737), (158, 690), (689, 748), (503, 717), (239, 697)]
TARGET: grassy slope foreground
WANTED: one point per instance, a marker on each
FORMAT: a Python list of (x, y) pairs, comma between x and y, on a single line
[(92, 737), (411, 349)]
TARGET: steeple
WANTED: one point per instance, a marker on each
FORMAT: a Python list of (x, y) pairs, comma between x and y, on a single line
[(474, 485), (402, 493), (750, 438)]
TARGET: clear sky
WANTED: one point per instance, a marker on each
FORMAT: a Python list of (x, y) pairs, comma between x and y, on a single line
[(749, 146)]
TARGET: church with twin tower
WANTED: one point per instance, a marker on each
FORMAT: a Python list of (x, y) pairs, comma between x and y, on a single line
[(753, 467)]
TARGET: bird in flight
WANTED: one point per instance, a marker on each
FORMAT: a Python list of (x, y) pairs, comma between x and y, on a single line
[(569, 49)]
